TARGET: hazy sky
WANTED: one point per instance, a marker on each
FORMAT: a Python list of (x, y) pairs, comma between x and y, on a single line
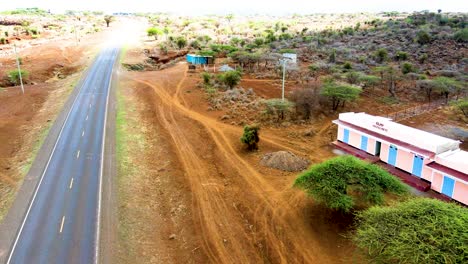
[(275, 7)]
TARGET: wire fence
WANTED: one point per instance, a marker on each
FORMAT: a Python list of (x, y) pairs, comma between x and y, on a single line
[(416, 110)]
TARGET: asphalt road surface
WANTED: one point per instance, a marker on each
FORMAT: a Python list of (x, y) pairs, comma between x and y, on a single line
[(62, 222)]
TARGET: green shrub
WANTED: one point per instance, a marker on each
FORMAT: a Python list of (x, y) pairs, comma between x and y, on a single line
[(344, 183), (181, 42), (462, 106), (2, 41), (381, 55), (461, 35), (14, 76), (423, 58), (230, 78), (154, 32), (401, 55), (251, 137), (332, 56), (407, 67), (416, 231), (206, 78), (422, 37), (347, 66)]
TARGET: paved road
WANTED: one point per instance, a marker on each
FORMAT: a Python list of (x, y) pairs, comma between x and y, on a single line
[(61, 224)]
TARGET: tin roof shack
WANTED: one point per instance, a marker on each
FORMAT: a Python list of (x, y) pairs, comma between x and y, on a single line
[(406, 148), (199, 60)]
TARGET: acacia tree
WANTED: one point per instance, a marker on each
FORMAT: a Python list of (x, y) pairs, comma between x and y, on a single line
[(447, 86), (419, 230), (108, 19), (153, 31), (339, 93), (344, 183)]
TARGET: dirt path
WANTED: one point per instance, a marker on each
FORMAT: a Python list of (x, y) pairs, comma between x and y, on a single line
[(243, 213)]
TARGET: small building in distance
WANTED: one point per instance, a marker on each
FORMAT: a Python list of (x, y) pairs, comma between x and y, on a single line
[(291, 58), (432, 158), (199, 59)]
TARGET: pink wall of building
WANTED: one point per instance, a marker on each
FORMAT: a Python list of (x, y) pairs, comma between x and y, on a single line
[(436, 183), (460, 192), (426, 173), (384, 152), (354, 139), (340, 133), (405, 160), (371, 146)]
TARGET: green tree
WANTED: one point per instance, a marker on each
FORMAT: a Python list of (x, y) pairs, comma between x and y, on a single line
[(154, 32), (108, 19), (339, 93), (14, 76), (368, 80), (345, 183), (231, 78), (251, 137), (447, 86), (278, 108), (419, 230)]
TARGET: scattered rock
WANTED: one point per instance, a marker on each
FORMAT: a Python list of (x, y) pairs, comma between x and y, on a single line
[(224, 117), (284, 160), (172, 236)]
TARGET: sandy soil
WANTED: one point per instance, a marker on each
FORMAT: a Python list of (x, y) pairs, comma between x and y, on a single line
[(241, 212)]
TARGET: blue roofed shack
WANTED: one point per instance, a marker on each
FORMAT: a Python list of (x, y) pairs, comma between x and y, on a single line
[(198, 59)]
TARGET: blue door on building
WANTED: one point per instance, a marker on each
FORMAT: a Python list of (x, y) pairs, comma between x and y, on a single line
[(392, 155), (447, 186), (417, 165), (346, 135), (364, 143)]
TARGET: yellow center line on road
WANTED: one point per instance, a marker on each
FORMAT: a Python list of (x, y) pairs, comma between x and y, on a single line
[(61, 225), (71, 183)]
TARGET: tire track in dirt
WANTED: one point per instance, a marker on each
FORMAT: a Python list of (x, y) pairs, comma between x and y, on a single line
[(277, 224)]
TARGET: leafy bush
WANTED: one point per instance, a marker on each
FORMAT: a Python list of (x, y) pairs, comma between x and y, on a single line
[(369, 80), (206, 78), (407, 67), (2, 41), (230, 78), (381, 55), (14, 76), (181, 42), (352, 77), (462, 105), (422, 37), (461, 35), (423, 58), (416, 231), (347, 66), (251, 137), (344, 183), (401, 55), (332, 57)]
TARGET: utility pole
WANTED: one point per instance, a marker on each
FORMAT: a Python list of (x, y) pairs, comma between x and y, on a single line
[(283, 62), (19, 68)]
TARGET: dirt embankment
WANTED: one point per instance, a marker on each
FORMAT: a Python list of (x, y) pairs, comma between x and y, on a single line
[(236, 210)]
